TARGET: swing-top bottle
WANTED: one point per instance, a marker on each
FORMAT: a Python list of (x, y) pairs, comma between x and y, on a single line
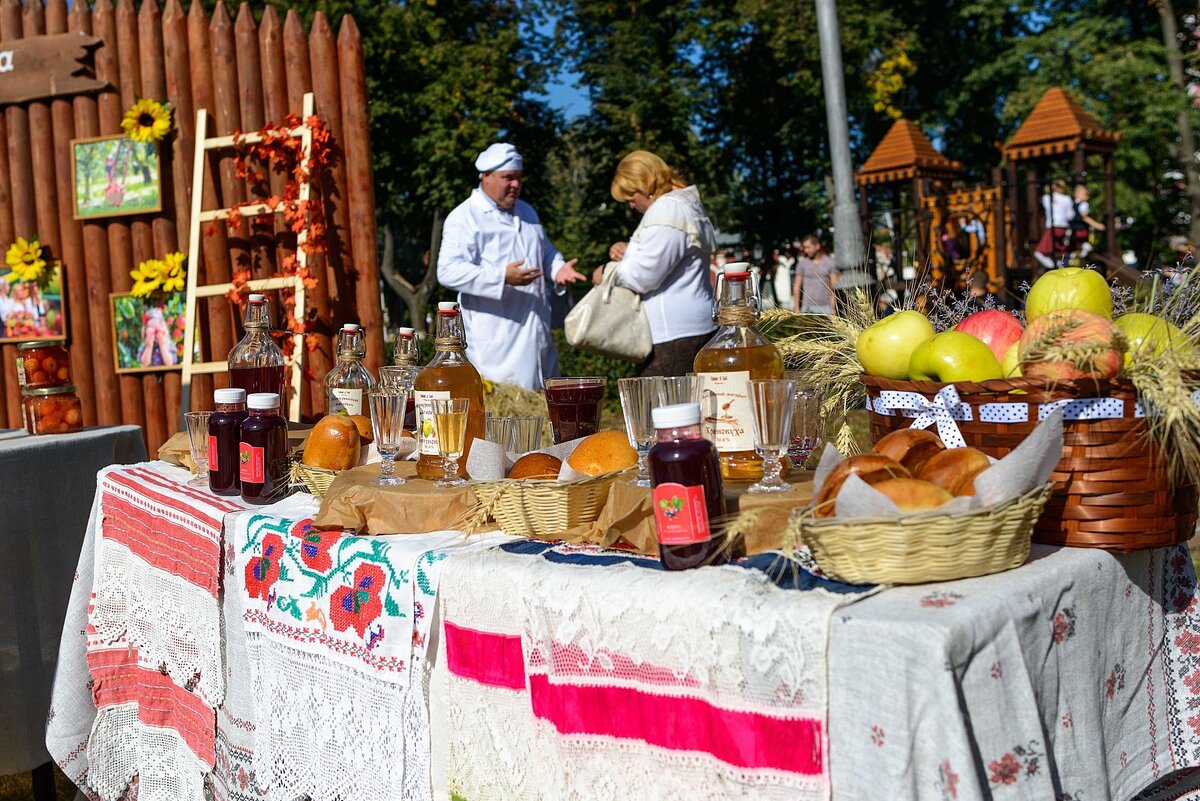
[(448, 375), (256, 363), (347, 384), (736, 354), (406, 352)]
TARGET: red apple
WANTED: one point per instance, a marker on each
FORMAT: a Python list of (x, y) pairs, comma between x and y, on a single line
[(997, 329), (1074, 327)]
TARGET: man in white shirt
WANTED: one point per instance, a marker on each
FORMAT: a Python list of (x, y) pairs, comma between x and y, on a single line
[(495, 254), (1059, 210)]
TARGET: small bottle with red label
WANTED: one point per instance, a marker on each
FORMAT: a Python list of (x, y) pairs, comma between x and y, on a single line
[(224, 441), (263, 451), (687, 495)]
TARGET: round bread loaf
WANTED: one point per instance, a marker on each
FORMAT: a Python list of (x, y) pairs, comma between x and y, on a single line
[(949, 468), (603, 452), (333, 443), (366, 434), (536, 465), (870, 467), (913, 494), (911, 447)]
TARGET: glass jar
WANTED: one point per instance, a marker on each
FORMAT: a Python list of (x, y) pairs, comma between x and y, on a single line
[(43, 364), (224, 438), (52, 410), (263, 451)]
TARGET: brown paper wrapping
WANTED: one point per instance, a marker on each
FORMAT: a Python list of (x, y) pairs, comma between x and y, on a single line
[(416, 507), (178, 451)]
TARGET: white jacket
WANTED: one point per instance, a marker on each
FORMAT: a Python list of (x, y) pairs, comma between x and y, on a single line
[(507, 327)]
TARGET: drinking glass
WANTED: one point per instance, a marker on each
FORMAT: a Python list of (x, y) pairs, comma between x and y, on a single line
[(499, 430), (808, 427), (690, 389), (771, 402), (526, 433), (450, 419), (638, 396), (197, 428), (387, 419), (398, 376), (574, 406)]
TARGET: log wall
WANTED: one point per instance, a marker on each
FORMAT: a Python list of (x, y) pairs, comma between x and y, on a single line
[(246, 73)]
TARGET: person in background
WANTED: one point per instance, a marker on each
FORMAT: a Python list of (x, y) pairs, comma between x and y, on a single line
[(816, 279), (496, 255), (1059, 210), (1082, 224), (783, 278), (666, 261)]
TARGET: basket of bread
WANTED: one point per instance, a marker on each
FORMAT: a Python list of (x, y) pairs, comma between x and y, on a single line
[(913, 511), (337, 442), (545, 493)]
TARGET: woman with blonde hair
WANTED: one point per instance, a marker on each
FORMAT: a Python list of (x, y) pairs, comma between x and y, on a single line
[(665, 261)]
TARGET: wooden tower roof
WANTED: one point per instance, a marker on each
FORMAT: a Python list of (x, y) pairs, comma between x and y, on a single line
[(1057, 125), (905, 153)]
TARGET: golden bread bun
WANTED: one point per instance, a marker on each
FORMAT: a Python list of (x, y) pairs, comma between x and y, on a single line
[(870, 467), (366, 434), (603, 452), (948, 468), (407, 433), (333, 443), (911, 447), (966, 484), (913, 494), (536, 465)]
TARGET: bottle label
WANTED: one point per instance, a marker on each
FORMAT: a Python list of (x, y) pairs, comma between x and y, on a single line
[(680, 514), (727, 410), (426, 430), (251, 460), (344, 400), (22, 379), (214, 460)]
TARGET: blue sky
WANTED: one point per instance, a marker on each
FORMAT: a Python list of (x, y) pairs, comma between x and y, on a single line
[(567, 96)]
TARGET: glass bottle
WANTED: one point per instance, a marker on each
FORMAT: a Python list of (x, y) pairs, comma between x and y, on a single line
[(256, 363), (224, 440), (736, 354), (406, 352), (263, 451), (448, 375), (687, 492), (348, 382)]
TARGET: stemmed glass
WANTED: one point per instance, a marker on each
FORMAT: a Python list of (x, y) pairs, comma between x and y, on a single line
[(197, 428), (526, 433), (638, 396), (808, 429), (771, 402), (450, 419), (387, 419)]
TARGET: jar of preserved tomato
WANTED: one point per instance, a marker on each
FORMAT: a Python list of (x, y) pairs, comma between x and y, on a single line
[(52, 410), (43, 364)]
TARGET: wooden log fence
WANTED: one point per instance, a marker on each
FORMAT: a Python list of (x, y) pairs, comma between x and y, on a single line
[(246, 73)]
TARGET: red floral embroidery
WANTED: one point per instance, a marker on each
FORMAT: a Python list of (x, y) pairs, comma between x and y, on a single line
[(948, 780), (1066, 720), (1064, 625), (1188, 642), (877, 736), (997, 670), (1020, 761), (1115, 681), (940, 599), (263, 571), (1005, 770), (357, 606), (315, 545)]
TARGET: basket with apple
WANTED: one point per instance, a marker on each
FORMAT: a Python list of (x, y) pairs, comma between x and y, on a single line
[(1129, 389)]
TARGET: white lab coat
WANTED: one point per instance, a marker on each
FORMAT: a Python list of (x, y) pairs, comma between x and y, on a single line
[(507, 327)]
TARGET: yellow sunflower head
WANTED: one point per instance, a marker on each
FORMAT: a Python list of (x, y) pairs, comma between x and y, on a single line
[(173, 273), (24, 259), (147, 121), (147, 278)]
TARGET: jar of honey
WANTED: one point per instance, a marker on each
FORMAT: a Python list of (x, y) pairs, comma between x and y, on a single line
[(52, 410), (43, 364)]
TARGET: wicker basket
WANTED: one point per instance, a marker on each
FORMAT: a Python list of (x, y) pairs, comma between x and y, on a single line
[(917, 549), (543, 509), (316, 479), (1112, 489)]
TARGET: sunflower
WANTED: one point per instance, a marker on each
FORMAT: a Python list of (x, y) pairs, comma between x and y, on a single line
[(173, 273), (147, 278), (24, 258), (147, 121)]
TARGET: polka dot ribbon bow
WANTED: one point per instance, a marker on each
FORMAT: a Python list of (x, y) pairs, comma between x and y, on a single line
[(944, 409)]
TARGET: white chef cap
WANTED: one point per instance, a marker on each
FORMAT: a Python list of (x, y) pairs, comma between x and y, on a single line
[(499, 156)]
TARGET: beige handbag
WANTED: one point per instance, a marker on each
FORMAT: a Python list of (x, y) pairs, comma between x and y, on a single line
[(610, 321)]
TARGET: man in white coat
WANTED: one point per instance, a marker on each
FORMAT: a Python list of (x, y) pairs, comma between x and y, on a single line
[(495, 254)]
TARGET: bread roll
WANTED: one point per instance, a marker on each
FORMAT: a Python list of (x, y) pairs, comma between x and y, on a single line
[(966, 484), (536, 465), (911, 447), (366, 434), (603, 452), (948, 468), (870, 467), (333, 443), (913, 494)]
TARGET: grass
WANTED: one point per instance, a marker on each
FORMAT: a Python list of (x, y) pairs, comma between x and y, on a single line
[(19, 787)]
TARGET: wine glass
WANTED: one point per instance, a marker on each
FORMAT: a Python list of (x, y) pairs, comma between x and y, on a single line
[(808, 429), (771, 403), (526, 433), (197, 428), (398, 376), (387, 419), (450, 420), (638, 396)]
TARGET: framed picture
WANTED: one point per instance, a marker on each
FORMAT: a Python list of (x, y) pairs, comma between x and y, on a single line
[(115, 176), (148, 332), (29, 312)]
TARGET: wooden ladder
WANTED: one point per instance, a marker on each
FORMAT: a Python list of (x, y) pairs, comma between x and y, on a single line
[(200, 217)]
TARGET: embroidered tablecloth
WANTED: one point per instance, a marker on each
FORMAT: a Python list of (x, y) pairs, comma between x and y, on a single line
[(1073, 678), (573, 673)]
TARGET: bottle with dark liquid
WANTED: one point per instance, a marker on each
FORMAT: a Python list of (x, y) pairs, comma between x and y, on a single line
[(256, 363), (224, 438), (263, 451), (687, 495), (448, 375)]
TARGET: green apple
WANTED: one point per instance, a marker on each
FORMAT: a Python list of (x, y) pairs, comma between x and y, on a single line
[(1069, 288), (1148, 335), (885, 347), (1010, 367), (953, 356)]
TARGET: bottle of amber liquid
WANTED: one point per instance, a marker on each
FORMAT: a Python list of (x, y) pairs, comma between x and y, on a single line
[(448, 375), (736, 354)]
